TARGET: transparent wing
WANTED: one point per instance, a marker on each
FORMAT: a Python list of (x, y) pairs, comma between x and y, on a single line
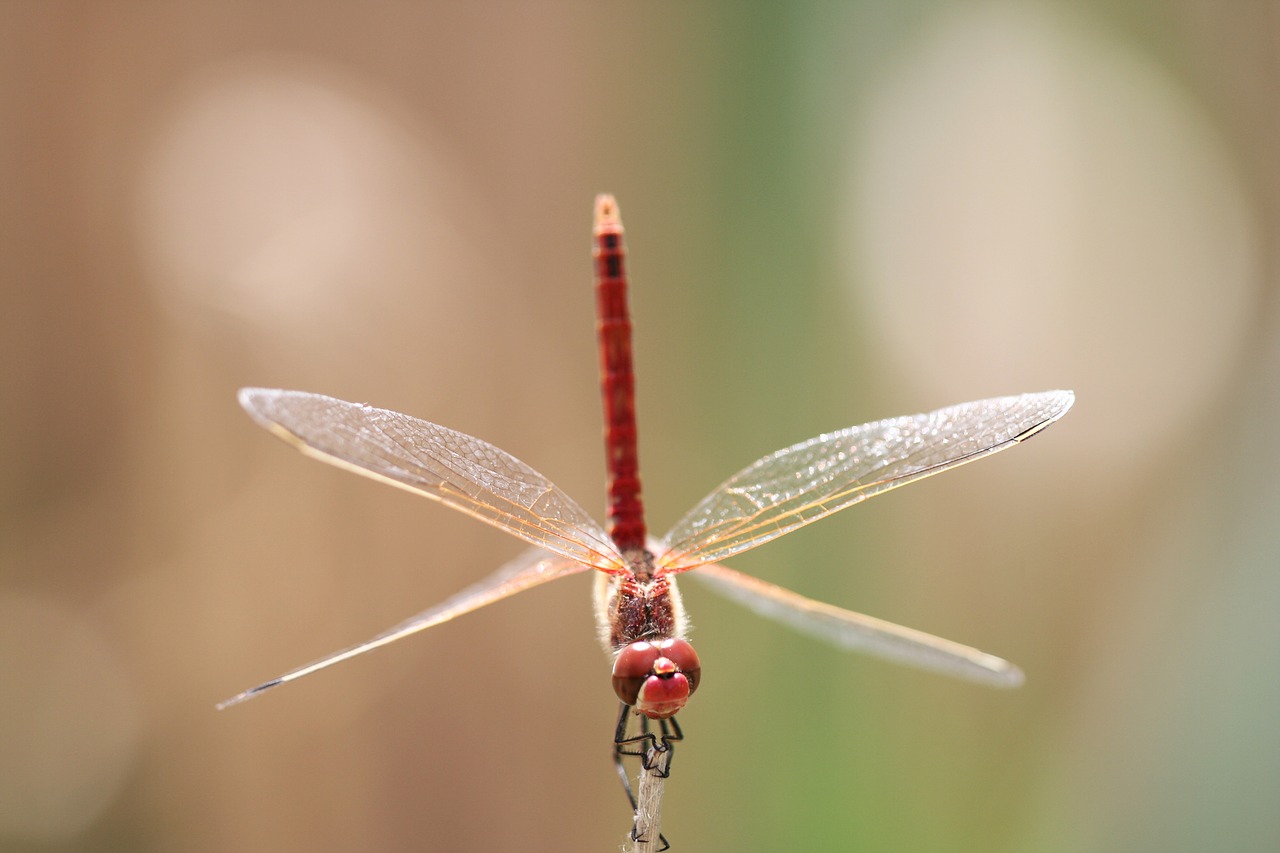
[(532, 568), (456, 469), (857, 632), (811, 480)]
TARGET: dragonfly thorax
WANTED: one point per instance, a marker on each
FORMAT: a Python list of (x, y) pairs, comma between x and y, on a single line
[(637, 604)]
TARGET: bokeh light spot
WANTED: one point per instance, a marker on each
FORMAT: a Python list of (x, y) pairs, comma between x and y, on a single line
[(1036, 206)]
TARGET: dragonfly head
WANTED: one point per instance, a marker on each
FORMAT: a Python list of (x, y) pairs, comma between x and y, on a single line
[(658, 677)]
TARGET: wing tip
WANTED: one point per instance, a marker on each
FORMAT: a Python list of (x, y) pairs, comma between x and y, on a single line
[(257, 402), (1056, 404), (273, 408), (249, 397), (249, 694), (1058, 400), (1007, 676), (1065, 398)]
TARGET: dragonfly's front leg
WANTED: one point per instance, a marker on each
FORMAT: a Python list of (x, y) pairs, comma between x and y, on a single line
[(623, 745), (671, 732), (646, 745), (654, 751)]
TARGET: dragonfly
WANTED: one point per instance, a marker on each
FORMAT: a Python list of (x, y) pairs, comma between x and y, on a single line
[(638, 608)]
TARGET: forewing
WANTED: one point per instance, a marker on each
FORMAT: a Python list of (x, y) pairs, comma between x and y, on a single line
[(811, 480), (532, 568), (456, 469), (857, 632)]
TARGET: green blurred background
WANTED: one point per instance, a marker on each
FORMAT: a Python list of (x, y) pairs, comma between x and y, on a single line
[(836, 212)]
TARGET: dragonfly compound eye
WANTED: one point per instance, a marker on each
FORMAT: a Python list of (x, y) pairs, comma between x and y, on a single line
[(657, 678)]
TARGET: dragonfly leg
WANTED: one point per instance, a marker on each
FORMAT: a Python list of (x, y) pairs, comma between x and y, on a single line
[(638, 745), (620, 748), (620, 742), (646, 747), (666, 845), (671, 732)]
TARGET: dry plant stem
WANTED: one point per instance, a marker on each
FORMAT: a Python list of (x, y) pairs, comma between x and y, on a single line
[(647, 835)]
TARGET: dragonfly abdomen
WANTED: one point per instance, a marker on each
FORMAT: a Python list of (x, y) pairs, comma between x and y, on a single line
[(617, 379)]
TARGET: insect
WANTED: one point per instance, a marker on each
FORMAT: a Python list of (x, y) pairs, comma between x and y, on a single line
[(637, 604)]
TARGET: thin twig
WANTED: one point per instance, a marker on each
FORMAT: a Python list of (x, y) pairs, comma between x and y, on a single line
[(647, 834)]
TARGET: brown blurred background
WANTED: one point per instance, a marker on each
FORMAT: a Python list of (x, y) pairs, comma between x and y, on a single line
[(837, 212)]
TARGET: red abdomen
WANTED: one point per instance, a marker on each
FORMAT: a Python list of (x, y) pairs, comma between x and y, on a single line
[(617, 381)]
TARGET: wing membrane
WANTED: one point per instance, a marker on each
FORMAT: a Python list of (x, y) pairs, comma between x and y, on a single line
[(532, 568), (808, 481), (857, 632), (456, 469)]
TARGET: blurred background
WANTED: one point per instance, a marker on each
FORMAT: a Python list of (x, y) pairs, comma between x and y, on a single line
[(837, 212)]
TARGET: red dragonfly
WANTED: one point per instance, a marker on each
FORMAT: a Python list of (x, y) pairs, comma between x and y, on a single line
[(638, 609)]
